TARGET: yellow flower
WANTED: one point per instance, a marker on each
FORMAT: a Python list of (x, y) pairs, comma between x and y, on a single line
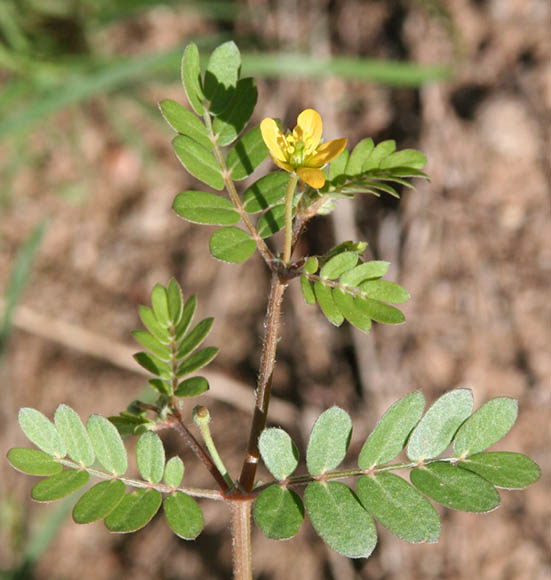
[(300, 151)]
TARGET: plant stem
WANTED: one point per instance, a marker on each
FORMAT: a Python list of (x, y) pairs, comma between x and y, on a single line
[(267, 363), (232, 192), (289, 195), (241, 538)]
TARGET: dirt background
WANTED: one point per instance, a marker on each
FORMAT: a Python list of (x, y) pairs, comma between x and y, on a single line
[(472, 247)]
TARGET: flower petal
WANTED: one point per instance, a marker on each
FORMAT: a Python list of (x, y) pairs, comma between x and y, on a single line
[(282, 164), (311, 125), (272, 136), (313, 177), (327, 152)]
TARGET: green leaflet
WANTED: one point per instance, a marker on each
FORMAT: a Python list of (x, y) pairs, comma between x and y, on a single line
[(70, 427), (108, 445), (99, 501), (278, 452), (337, 168), (436, 429), (150, 457), (359, 156), (232, 245), (191, 77), (311, 265), (148, 341), (175, 301), (383, 149), (201, 207), (198, 161), (328, 441), (183, 515), (194, 338), (232, 120), (196, 361), (385, 291), (338, 265), (399, 507), (41, 431), (246, 155), (454, 487), (221, 75), (159, 302), (265, 192), (192, 387), (185, 122), (324, 297), (59, 485), (486, 426), (366, 271), (153, 364), (187, 316), (503, 468), (391, 432), (33, 461), (339, 518), (307, 290), (278, 512), (135, 510), (174, 472), (150, 321), (272, 221), (379, 311), (404, 158), (351, 309)]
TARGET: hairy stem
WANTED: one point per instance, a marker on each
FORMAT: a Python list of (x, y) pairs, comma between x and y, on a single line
[(241, 538), (267, 363), (289, 195)]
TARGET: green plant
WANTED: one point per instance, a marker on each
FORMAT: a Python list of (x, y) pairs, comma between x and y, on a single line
[(345, 287)]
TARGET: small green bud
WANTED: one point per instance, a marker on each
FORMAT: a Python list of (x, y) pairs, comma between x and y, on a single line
[(201, 415)]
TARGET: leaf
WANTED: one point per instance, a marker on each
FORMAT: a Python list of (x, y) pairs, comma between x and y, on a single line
[(196, 361), (175, 301), (159, 302), (148, 341), (191, 77), (436, 429), (99, 501), (185, 122), (327, 304), (183, 515), (153, 364), (383, 149), (272, 221), (150, 321), (41, 431), (59, 485), (348, 305), (192, 387), (265, 192), (404, 158), (486, 426), (187, 317), (232, 245), (393, 502), (278, 452), (311, 265), (195, 337), (198, 161), (70, 427), (365, 271), (379, 311), (338, 265), (454, 487), (307, 290), (232, 120), (221, 75), (246, 155), (150, 457), (278, 512), (338, 165), (391, 432), (108, 445), (135, 511), (161, 386), (328, 441), (339, 518), (359, 156), (174, 471), (503, 468), (385, 291), (33, 461), (200, 207)]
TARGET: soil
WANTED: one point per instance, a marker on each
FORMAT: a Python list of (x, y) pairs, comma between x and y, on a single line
[(472, 247)]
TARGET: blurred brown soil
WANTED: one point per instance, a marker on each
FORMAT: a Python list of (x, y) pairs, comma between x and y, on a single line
[(472, 247)]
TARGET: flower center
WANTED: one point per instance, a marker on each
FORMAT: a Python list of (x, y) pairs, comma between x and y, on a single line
[(297, 146)]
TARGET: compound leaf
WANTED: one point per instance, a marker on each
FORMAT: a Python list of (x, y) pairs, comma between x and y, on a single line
[(135, 510), (339, 518), (328, 441), (393, 502), (454, 487), (278, 512), (391, 432), (99, 501), (436, 429)]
